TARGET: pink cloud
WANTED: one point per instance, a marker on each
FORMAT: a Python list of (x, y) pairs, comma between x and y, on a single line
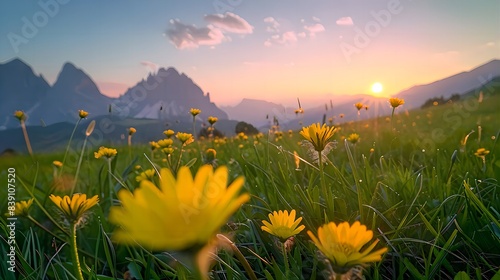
[(230, 22), (344, 21), (315, 28)]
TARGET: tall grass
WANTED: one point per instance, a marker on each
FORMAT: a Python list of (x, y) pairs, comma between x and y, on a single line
[(426, 197)]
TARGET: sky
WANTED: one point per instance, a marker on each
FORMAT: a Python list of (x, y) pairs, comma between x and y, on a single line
[(274, 50)]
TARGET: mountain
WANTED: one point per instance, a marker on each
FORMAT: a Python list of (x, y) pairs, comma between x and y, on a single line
[(258, 112), (20, 89), (166, 95), (459, 83), (73, 90)]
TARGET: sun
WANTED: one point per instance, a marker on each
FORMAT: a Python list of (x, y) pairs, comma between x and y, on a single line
[(377, 88)]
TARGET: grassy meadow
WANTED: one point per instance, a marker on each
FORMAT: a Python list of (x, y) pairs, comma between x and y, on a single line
[(414, 179)]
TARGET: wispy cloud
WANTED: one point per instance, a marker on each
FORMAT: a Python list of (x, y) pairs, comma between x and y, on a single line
[(230, 23), (287, 38), (344, 21), (185, 36), (272, 24), (315, 28)]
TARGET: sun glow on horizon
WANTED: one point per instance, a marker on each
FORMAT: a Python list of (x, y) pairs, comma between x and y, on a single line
[(377, 88)]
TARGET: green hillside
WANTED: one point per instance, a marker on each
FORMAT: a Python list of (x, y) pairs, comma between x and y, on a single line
[(417, 180)]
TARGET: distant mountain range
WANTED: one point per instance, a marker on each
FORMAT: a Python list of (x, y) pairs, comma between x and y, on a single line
[(167, 95), (255, 111)]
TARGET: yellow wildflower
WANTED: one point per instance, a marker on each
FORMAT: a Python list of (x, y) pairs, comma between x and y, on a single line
[(57, 163), (154, 145), (318, 135), (168, 150), (105, 152), (359, 105), (194, 111), (353, 138), (342, 244), (164, 143), (211, 153), (180, 213), (20, 115), (131, 131), (82, 114), (74, 209), (481, 152), (185, 138), (396, 102), (212, 120), (21, 208), (282, 224), (169, 133), (146, 175)]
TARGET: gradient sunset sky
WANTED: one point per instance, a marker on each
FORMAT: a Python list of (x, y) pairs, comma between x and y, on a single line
[(271, 50)]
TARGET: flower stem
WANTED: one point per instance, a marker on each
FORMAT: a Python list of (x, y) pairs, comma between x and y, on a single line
[(322, 178), (110, 182), (74, 253), (78, 166), (239, 255), (69, 143), (26, 138), (285, 259)]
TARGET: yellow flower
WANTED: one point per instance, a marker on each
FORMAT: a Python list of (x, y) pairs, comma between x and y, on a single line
[(211, 153), (185, 138), (74, 209), (131, 131), (299, 111), (20, 115), (180, 213), (194, 111), (168, 151), (318, 135), (164, 143), (57, 163), (212, 120), (169, 133), (396, 102), (283, 225), (105, 152), (146, 175), (372, 150), (353, 138), (21, 208), (82, 114), (481, 152), (342, 244), (154, 145), (359, 106)]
